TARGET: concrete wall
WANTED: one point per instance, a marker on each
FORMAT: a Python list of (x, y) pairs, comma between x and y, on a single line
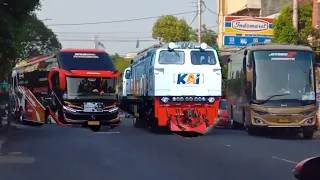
[(269, 7), (232, 6)]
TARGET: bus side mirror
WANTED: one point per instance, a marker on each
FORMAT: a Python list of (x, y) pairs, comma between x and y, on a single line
[(62, 81), (245, 52), (131, 61)]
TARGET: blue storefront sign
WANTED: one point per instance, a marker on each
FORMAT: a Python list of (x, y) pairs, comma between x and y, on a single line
[(244, 40)]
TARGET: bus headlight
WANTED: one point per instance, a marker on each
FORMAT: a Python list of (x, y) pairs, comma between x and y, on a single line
[(165, 99), (308, 112), (211, 99), (68, 109)]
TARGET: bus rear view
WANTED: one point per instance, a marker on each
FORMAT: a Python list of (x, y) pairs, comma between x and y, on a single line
[(277, 85)]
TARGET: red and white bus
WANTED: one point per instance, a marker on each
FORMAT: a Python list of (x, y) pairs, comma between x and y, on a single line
[(73, 86)]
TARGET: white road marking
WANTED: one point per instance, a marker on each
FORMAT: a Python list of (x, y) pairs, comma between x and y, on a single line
[(285, 160), (228, 145), (16, 159), (107, 132)]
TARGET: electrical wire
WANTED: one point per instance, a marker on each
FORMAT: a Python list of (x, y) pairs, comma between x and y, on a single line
[(108, 40), (103, 36), (193, 19), (206, 7), (112, 32), (118, 21)]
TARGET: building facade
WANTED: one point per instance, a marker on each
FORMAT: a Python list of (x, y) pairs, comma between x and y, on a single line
[(255, 8)]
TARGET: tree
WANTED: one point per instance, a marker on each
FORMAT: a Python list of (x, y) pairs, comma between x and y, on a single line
[(12, 16), (37, 39), (284, 31), (208, 36), (115, 57), (171, 29)]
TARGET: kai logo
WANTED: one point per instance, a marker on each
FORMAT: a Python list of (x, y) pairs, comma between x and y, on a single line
[(188, 79)]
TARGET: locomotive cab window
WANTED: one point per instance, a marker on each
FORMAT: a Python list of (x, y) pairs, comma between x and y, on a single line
[(171, 57), (203, 58), (127, 74)]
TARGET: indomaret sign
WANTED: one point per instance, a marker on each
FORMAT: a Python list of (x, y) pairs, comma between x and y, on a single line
[(248, 25)]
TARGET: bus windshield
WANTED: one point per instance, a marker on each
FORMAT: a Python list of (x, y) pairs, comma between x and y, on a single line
[(90, 86), (86, 61), (280, 75)]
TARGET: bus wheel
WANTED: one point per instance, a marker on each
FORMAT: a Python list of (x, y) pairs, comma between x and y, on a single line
[(20, 116), (137, 123), (234, 124), (307, 134), (252, 131), (95, 128)]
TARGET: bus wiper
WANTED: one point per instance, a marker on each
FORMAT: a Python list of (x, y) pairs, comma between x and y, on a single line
[(272, 96)]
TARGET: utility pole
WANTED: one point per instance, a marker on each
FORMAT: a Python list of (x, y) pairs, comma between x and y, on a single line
[(95, 42), (295, 15), (199, 20)]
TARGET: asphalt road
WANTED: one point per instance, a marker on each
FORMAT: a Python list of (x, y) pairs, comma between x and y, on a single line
[(66, 153)]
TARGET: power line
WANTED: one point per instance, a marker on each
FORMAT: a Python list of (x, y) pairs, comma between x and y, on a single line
[(206, 7), (117, 21), (193, 19), (103, 36), (112, 32), (107, 40)]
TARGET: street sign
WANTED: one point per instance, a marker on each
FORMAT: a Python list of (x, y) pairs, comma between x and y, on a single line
[(244, 40)]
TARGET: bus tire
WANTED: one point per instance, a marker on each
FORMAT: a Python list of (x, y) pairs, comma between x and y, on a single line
[(234, 124), (307, 134), (20, 116), (95, 128), (252, 131), (137, 123)]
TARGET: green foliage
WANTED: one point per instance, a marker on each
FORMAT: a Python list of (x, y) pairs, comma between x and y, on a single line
[(284, 31), (171, 29), (224, 78), (12, 15), (122, 63), (115, 57), (37, 34), (208, 36)]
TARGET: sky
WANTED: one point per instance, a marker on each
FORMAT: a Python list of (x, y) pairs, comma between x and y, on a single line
[(117, 37)]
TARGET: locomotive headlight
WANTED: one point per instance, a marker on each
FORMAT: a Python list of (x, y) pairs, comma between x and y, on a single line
[(211, 99), (165, 99), (172, 45), (203, 46)]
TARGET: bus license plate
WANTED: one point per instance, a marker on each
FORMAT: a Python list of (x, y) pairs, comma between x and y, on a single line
[(284, 120), (93, 123)]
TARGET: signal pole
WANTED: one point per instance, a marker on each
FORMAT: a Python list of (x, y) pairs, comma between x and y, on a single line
[(295, 15), (199, 20)]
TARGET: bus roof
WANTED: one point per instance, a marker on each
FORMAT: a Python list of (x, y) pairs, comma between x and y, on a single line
[(276, 46), (82, 50)]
